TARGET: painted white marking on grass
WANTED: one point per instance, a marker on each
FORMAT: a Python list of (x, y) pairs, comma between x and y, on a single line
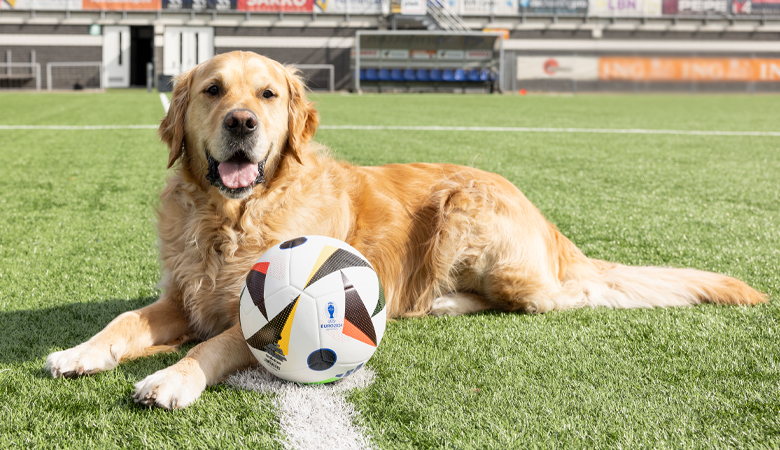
[(549, 130), (79, 127), (164, 99), (436, 128), (312, 417)]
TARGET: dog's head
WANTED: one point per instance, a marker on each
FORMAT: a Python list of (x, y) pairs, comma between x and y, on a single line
[(234, 117)]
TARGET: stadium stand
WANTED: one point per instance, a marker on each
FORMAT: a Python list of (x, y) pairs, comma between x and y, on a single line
[(558, 45)]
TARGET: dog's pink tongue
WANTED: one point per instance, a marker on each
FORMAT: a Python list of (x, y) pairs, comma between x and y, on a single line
[(237, 175)]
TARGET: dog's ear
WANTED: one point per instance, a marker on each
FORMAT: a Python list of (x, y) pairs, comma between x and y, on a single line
[(171, 129), (304, 119)]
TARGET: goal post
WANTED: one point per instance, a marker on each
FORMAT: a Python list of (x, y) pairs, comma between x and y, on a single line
[(318, 76), (67, 75)]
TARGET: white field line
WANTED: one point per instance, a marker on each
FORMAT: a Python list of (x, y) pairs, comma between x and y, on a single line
[(438, 128), (549, 130), (79, 127), (165, 103), (312, 417)]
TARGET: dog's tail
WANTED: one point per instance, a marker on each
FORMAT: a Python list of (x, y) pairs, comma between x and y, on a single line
[(592, 282)]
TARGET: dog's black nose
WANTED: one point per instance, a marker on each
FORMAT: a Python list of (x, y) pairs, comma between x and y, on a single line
[(240, 122)]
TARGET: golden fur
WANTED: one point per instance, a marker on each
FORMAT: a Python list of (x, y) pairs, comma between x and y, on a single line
[(444, 239)]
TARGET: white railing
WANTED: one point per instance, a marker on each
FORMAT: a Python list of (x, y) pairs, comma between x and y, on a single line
[(49, 81), (447, 19), (329, 67), (35, 71)]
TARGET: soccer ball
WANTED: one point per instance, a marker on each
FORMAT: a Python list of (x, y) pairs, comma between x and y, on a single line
[(312, 310)]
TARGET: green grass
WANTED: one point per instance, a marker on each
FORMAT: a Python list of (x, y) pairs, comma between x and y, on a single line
[(77, 245)]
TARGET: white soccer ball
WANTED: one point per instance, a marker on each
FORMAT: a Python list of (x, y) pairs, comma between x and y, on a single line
[(312, 310)]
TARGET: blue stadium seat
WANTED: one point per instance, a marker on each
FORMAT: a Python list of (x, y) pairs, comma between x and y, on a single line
[(370, 75), (435, 75), (396, 75), (409, 75), (460, 75), (484, 75), (473, 75), (448, 75), (384, 75), (422, 75)]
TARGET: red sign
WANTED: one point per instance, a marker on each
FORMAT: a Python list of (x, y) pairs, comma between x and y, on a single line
[(550, 66), (276, 5)]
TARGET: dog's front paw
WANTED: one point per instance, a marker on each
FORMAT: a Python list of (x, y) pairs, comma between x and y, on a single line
[(174, 387), (83, 359)]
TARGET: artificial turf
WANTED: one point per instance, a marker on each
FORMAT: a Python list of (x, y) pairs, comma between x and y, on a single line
[(78, 247)]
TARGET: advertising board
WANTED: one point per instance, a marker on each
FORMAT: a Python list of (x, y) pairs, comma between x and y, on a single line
[(413, 7), (689, 69), (395, 54), (610, 8), (348, 6), (426, 55), (41, 5), (557, 68), (554, 6), (755, 7), (199, 5), (695, 6), (488, 7), (122, 5), (276, 5)]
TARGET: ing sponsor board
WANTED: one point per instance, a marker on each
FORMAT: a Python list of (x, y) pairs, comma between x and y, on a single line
[(648, 69), (689, 69)]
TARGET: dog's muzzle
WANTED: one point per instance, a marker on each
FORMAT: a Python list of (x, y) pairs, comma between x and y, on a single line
[(215, 177)]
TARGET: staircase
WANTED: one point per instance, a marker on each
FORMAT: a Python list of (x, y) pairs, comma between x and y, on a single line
[(438, 17), (444, 18)]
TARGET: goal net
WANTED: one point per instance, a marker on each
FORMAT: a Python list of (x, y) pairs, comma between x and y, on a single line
[(74, 75), (318, 77)]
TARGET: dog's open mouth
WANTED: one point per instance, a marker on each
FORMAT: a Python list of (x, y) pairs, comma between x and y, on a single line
[(236, 175)]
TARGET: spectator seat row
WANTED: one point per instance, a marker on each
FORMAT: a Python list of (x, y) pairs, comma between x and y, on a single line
[(427, 75)]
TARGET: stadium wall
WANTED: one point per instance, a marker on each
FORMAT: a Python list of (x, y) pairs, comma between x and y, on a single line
[(45, 43), (294, 45), (309, 39)]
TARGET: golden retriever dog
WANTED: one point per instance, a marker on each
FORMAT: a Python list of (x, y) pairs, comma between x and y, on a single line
[(444, 239)]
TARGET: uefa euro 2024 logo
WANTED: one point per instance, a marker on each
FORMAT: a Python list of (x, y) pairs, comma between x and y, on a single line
[(331, 319)]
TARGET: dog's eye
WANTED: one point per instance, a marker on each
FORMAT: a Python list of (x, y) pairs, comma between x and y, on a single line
[(213, 90), (268, 94)]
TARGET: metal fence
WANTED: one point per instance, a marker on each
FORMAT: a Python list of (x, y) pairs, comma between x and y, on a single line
[(17, 79)]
